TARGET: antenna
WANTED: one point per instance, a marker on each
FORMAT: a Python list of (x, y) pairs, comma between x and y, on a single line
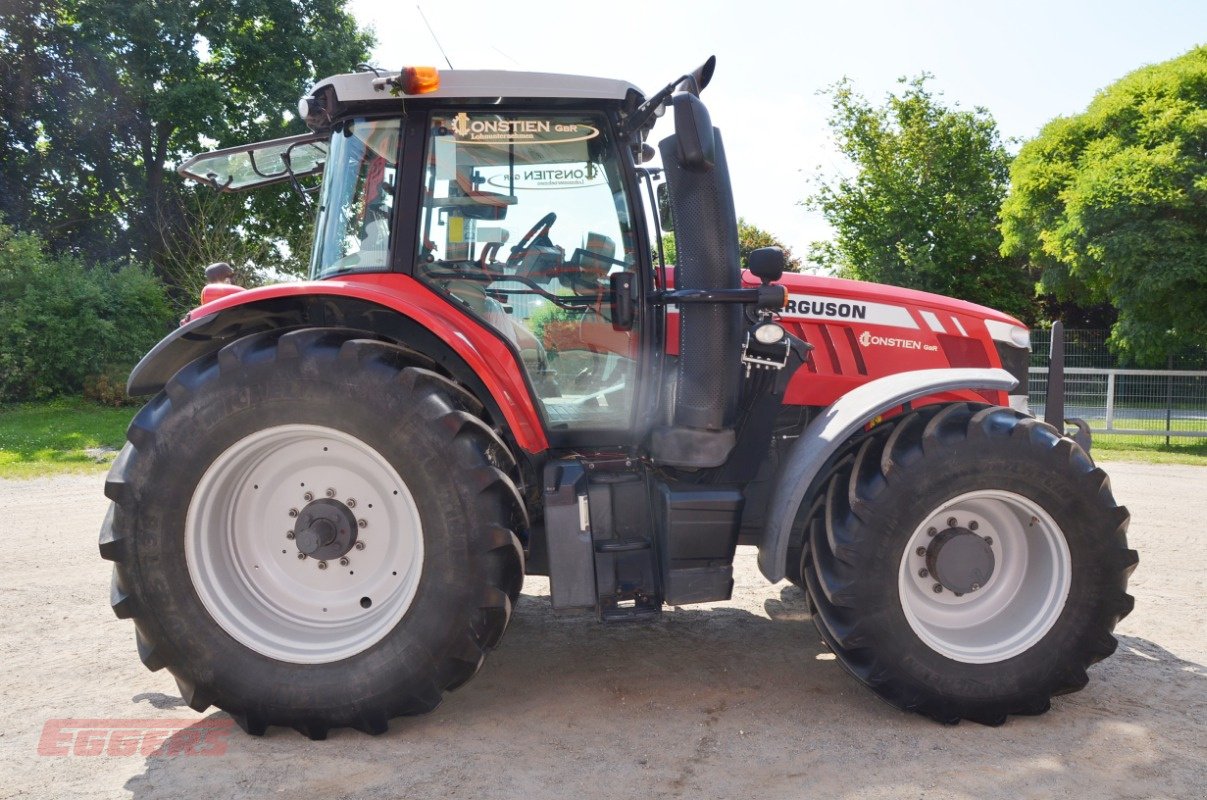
[(434, 37)]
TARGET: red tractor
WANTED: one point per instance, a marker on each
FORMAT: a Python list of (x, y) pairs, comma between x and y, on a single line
[(325, 513)]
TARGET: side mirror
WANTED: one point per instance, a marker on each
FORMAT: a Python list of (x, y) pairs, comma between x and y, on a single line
[(767, 264), (664, 208), (694, 131)]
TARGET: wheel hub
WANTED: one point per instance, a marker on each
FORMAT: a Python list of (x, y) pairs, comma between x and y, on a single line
[(275, 536), (325, 529), (984, 576), (960, 560)]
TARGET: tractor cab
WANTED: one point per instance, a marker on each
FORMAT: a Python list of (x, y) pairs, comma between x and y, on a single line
[(525, 212)]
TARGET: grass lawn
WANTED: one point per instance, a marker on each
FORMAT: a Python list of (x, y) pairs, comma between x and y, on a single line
[(58, 436), (73, 435), (1151, 451)]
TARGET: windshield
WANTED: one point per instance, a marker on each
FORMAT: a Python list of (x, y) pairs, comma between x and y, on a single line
[(357, 200)]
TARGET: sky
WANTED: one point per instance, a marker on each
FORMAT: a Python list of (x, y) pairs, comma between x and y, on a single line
[(1025, 61)]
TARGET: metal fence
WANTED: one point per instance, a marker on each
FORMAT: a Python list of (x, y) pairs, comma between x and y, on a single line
[(1141, 405), (1132, 403)]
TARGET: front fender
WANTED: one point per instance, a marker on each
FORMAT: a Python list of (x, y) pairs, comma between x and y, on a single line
[(393, 306), (826, 434)]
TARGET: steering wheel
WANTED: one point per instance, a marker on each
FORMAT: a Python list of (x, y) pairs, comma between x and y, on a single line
[(536, 233)]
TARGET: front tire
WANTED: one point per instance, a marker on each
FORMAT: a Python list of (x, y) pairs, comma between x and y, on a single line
[(969, 562), (311, 531)]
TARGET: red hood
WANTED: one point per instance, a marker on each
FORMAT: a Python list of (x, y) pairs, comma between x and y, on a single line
[(796, 282)]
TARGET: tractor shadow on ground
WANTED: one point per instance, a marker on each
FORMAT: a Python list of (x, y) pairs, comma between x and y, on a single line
[(705, 702)]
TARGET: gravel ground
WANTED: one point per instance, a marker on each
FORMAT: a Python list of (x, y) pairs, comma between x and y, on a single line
[(727, 700)]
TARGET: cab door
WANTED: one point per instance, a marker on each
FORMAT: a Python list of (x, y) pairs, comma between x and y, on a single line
[(524, 220)]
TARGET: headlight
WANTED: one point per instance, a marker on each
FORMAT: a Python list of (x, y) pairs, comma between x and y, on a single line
[(1016, 335), (769, 333)]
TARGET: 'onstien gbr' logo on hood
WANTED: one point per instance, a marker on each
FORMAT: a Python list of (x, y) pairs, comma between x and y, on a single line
[(867, 338)]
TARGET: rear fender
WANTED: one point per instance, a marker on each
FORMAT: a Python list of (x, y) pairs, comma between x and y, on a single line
[(465, 348), (825, 435)]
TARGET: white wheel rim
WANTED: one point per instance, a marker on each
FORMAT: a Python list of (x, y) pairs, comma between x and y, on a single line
[(247, 571), (1018, 604)]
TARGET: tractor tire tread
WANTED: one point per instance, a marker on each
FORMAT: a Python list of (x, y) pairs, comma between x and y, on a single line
[(850, 613), (493, 492)]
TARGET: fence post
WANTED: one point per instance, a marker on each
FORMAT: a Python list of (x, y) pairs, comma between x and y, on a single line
[(1168, 398), (1054, 402), (1110, 399)]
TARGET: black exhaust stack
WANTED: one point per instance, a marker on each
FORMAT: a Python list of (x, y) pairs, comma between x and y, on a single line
[(706, 240)]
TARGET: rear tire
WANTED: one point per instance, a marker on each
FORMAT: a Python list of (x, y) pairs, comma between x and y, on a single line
[(1054, 567), (208, 490)]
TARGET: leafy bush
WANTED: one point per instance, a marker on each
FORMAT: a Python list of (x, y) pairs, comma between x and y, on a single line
[(108, 387), (62, 321)]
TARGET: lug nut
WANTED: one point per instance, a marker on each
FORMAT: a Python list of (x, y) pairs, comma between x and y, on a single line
[(288, 534), (360, 523), (331, 493), (360, 545), (952, 522), (293, 512), (923, 573), (921, 551), (937, 588), (989, 540), (350, 502), (974, 587), (343, 562), (932, 531), (972, 526), (301, 556), (308, 496), (322, 565)]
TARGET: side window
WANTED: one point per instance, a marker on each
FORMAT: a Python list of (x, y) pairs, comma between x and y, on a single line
[(524, 219), (357, 198)]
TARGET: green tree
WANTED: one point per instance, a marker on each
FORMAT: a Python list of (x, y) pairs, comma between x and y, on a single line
[(1111, 205), (921, 208), (750, 237), (110, 93), (669, 252)]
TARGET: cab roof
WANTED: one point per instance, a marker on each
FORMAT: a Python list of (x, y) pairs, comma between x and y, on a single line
[(459, 83)]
